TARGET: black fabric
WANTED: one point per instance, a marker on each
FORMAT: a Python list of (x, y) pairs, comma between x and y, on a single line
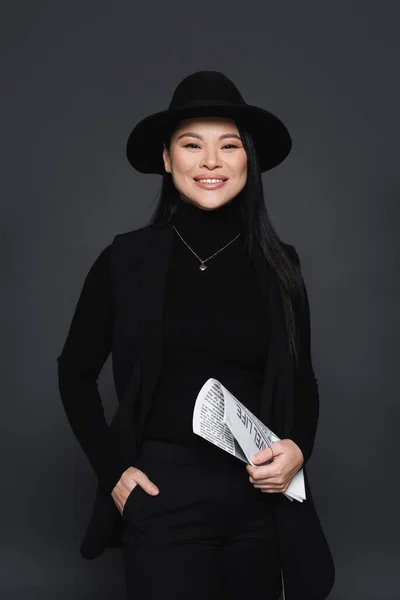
[(90, 340), (203, 534), (120, 310), (215, 322), (86, 348)]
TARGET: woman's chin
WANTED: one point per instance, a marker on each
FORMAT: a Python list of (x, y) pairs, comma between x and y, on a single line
[(207, 203)]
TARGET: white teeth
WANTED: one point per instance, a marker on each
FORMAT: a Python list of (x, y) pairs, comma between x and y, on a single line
[(210, 180)]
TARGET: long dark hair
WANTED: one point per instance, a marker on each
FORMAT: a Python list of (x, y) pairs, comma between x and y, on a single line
[(257, 227)]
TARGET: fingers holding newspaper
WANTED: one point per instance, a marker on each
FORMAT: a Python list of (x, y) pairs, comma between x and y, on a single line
[(223, 420), (276, 476)]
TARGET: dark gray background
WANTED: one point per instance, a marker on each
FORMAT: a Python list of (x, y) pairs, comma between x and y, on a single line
[(76, 77)]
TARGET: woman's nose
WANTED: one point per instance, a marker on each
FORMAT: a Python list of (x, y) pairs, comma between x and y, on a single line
[(211, 158)]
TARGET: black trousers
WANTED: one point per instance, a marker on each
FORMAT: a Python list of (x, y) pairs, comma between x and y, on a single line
[(208, 534)]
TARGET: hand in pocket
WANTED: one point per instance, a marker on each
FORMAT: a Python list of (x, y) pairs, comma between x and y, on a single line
[(127, 483)]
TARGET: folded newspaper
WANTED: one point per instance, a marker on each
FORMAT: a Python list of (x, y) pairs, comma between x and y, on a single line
[(221, 419)]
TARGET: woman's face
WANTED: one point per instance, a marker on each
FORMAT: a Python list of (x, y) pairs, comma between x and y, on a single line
[(206, 148)]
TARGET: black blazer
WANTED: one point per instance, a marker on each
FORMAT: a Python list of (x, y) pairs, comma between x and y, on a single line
[(289, 403)]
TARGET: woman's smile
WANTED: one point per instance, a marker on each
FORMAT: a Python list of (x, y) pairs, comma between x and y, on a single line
[(210, 184)]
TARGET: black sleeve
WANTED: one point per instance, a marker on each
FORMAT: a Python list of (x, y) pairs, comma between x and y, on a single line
[(306, 406), (86, 348)]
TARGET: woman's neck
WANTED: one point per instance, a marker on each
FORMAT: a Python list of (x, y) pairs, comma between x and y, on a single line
[(207, 230)]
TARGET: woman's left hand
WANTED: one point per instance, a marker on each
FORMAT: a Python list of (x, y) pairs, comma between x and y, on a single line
[(276, 476)]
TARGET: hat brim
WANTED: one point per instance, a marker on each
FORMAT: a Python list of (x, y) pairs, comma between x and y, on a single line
[(145, 143)]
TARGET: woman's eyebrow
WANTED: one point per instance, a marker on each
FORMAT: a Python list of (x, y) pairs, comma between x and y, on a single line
[(196, 135)]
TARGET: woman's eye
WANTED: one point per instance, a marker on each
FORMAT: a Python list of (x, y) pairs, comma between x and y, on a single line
[(226, 145)]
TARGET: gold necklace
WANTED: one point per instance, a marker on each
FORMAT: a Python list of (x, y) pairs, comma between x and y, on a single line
[(203, 267)]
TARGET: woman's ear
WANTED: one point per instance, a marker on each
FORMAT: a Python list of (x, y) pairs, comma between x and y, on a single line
[(166, 159)]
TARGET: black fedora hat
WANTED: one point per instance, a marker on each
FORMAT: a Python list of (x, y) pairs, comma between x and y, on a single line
[(207, 94)]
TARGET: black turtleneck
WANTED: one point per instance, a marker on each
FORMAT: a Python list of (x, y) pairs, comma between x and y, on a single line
[(215, 321)]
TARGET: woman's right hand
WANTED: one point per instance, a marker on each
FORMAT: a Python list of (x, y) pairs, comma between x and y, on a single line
[(128, 481)]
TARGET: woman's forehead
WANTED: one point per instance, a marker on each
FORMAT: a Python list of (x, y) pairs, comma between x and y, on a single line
[(213, 123)]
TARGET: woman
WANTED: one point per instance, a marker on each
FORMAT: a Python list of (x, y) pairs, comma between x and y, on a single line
[(206, 289)]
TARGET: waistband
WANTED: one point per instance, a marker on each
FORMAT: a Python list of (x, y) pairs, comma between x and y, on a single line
[(179, 453)]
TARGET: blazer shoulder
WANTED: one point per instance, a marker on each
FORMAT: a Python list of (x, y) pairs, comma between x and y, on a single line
[(132, 240), (126, 244), (133, 234), (128, 247)]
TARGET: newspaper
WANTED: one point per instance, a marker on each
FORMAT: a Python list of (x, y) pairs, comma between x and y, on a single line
[(221, 419)]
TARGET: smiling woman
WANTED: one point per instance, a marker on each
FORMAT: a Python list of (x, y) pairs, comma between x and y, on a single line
[(206, 289), (210, 164)]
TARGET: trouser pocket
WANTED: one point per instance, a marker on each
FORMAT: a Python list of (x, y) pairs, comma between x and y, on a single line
[(137, 494), (131, 499)]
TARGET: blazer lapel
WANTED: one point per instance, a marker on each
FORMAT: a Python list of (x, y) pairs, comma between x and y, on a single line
[(277, 388), (266, 283), (153, 279)]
